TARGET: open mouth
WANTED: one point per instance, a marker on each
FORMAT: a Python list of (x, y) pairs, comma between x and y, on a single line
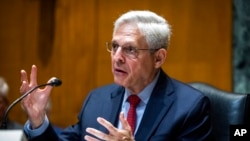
[(119, 71)]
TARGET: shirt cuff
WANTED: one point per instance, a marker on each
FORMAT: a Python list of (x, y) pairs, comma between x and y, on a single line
[(31, 133)]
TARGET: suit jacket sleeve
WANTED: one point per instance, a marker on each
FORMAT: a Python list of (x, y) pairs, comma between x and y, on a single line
[(48, 134)]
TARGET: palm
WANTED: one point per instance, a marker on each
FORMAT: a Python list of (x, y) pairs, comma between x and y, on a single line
[(35, 103)]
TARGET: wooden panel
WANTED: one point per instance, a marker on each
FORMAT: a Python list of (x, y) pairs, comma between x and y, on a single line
[(200, 48), (73, 58), (17, 43), (201, 43)]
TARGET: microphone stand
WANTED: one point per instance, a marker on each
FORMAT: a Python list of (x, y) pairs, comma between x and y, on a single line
[(56, 82)]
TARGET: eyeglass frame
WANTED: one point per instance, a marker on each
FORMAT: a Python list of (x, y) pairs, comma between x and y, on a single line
[(109, 47)]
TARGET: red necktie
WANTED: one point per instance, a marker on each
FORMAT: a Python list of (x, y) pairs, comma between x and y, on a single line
[(134, 100)]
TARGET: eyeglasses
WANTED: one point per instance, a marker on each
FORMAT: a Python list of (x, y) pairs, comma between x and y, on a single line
[(127, 50)]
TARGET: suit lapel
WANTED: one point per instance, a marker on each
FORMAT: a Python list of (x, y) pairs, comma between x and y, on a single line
[(159, 103), (112, 108)]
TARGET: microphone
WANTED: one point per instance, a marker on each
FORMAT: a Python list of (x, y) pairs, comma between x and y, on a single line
[(54, 83)]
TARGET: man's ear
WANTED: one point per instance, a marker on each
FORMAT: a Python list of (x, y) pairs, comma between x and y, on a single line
[(160, 57)]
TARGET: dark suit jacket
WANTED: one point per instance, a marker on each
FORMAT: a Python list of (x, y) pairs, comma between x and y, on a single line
[(175, 111)]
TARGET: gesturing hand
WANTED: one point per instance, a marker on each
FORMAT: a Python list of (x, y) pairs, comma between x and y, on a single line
[(35, 103), (124, 134)]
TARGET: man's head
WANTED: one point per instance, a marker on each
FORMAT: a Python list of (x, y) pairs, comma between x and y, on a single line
[(138, 48), (153, 27), (3, 97)]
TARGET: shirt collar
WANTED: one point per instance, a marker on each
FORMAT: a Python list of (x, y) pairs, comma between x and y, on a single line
[(145, 94)]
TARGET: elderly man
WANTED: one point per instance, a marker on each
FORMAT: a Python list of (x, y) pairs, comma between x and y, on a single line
[(143, 104)]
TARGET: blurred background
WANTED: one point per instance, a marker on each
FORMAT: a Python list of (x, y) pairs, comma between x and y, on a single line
[(66, 39)]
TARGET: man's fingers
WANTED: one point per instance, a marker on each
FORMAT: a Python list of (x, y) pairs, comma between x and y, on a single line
[(23, 76), (112, 130), (23, 87), (33, 76), (124, 122), (89, 138), (97, 133), (114, 133)]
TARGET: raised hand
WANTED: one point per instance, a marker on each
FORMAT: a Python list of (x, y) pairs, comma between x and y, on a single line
[(35, 103)]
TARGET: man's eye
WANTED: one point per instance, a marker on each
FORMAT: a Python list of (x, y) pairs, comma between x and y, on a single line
[(115, 46), (131, 49)]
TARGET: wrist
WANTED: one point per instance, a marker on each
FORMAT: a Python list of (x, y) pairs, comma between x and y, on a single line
[(37, 122)]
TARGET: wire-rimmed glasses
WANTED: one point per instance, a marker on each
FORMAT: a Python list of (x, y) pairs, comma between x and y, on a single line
[(127, 50)]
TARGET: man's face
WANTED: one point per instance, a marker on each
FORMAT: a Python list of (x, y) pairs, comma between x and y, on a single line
[(136, 72)]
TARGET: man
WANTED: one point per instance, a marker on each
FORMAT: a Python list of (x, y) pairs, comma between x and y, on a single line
[(167, 109), (4, 103)]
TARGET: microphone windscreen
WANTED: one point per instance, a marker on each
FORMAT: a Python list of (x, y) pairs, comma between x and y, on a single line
[(55, 82)]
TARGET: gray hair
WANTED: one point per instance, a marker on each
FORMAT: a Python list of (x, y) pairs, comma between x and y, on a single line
[(155, 28), (4, 88)]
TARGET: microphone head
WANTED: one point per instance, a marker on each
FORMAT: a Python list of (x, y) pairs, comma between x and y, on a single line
[(55, 82)]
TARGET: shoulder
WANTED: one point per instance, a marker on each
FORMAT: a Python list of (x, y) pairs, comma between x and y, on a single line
[(184, 88), (189, 96), (184, 93), (176, 87)]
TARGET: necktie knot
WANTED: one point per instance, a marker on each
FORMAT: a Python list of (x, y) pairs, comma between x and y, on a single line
[(134, 100)]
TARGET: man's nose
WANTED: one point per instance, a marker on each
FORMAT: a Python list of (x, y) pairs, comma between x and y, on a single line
[(118, 55), (118, 52)]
